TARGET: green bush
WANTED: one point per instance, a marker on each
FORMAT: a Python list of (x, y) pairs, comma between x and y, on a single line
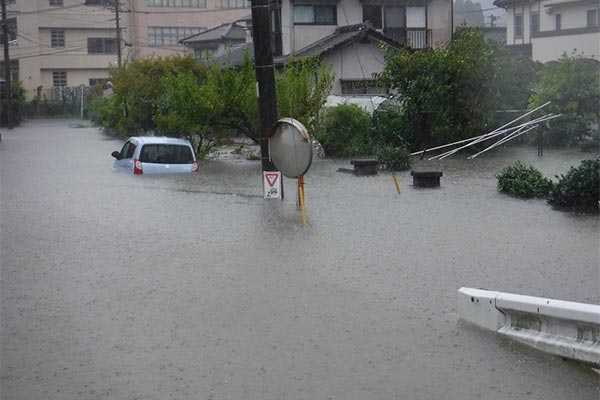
[(580, 188), (523, 181), (393, 158), (345, 131)]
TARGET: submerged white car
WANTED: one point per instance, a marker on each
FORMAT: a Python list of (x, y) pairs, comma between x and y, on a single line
[(156, 155)]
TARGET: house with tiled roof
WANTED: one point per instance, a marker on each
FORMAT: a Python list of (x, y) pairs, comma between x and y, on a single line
[(215, 41), (352, 36), (355, 53)]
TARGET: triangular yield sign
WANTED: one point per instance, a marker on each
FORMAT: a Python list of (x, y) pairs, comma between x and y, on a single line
[(271, 179)]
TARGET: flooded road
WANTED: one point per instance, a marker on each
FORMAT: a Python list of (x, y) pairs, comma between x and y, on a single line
[(194, 287)]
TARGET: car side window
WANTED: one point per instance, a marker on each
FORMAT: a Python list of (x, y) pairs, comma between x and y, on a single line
[(127, 150)]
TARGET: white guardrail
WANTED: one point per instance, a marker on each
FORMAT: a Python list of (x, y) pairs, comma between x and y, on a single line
[(564, 328)]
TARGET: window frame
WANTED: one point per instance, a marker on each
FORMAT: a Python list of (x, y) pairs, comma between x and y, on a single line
[(378, 24), (57, 38), (591, 17), (518, 26), (59, 77), (534, 28), (107, 45), (177, 3), (227, 4), (314, 15), (99, 3), (55, 3), (170, 32)]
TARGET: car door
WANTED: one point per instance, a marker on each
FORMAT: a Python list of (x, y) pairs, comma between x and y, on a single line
[(126, 160)]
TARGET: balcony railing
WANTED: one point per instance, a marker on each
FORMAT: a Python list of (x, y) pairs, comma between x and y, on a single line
[(416, 38)]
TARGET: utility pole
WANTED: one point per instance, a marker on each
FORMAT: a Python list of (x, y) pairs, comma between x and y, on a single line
[(7, 84), (118, 32), (265, 77)]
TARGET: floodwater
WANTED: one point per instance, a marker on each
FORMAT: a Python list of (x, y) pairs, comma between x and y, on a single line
[(194, 287)]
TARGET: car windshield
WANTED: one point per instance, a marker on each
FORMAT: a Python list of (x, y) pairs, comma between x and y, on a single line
[(166, 154)]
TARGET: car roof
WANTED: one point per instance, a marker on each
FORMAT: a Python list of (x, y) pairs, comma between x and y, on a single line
[(159, 140)]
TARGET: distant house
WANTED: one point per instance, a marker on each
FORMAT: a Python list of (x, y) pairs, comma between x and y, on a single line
[(355, 53), (416, 23), (215, 41), (347, 34), (546, 29)]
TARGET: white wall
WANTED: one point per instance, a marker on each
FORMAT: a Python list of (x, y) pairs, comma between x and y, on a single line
[(355, 61), (549, 48), (296, 37), (552, 48)]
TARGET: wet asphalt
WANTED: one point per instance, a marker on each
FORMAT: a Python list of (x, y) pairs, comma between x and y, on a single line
[(195, 287)]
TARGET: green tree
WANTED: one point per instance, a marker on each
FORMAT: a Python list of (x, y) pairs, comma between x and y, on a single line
[(139, 90), (346, 131), (453, 92), (573, 86), (225, 102), (302, 89), (18, 101)]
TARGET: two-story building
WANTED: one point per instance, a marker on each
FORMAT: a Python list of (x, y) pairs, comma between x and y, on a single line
[(417, 23), (352, 36), (545, 30)]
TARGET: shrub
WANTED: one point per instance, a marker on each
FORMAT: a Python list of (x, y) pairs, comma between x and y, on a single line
[(393, 158), (572, 84), (523, 181), (580, 188), (345, 131)]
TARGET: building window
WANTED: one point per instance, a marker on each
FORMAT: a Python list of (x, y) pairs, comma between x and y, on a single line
[(592, 18), (374, 15), (361, 86), (57, 38), (232, 4), (159, 36), (534, 23), (557, 22), (59, 78), (518, 26), (102, 46), (204, 54), (315, 15), (97, 81), (391, 17), (12, 31), (55, 2), (99, 2), (177, 3)]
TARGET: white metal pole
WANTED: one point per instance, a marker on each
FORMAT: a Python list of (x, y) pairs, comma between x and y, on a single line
[(82, 101), (488, 136), (494, 131), (512, 136), (504, 140)]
